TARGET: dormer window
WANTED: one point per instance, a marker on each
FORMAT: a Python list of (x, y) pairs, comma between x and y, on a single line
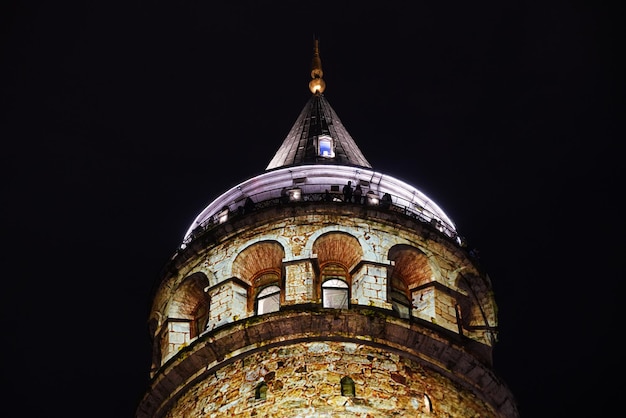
[(325, 146)]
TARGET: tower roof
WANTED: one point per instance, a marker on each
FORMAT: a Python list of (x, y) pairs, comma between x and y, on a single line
[(319, 154), (318, 136)]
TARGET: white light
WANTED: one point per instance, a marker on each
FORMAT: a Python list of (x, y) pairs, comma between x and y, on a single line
[(223, 215), (318, 177), (371, 199), (295, 194)]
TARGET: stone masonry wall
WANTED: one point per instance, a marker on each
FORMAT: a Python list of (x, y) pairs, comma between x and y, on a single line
[(178, 335), (228, 303), (303, 380), (296, 236)]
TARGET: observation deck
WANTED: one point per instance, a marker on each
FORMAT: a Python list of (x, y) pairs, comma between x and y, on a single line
[(310, 183)]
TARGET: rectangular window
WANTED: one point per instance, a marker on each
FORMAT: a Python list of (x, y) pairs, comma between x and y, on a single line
[(335, 298), (268, 300), (325, 146)]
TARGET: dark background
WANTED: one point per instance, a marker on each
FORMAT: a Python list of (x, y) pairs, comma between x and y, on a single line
[(120, 121)]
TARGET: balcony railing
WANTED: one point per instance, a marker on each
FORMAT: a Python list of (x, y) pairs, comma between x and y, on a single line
[(298, 195)]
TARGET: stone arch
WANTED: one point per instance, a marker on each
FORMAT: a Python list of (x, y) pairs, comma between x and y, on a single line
[(409, 283), (411, 266), (259, 265), (185, 317), (338, 247), (373, 254), (204, 267), (478, 309), (190, 302), (225, 267), (337, 252), (257, 259)]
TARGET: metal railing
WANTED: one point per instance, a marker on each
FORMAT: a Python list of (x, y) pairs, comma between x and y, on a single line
[(299, 195)]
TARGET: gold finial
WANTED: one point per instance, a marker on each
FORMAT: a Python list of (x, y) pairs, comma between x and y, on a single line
[(317, 85)]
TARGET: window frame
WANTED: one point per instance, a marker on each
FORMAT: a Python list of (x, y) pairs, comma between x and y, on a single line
[(326, 140), (345, 288), (264, 294)]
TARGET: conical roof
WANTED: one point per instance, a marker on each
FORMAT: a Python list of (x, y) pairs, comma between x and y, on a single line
[(319, 155), (318, 136)]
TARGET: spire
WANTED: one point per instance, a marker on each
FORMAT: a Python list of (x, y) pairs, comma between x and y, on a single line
[(317, 85), (318, 136)]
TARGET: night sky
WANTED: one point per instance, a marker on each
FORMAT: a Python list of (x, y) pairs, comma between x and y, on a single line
[(120, 121)]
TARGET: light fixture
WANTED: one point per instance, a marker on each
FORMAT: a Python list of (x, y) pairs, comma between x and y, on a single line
[(295, 194), (371, 198), (222, 216)]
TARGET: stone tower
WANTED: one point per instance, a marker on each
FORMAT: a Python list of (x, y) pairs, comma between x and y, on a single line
[(288, 299)]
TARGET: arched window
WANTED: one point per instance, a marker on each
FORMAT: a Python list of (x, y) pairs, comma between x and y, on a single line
[(268, 300), (347, 386), (261, 391), (398, 295), (400, 304), (427, 403), (335, 293)]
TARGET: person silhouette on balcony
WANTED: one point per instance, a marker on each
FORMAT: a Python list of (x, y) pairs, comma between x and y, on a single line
[(347, 192), (358, 193), (249, 205), (385, 202)]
